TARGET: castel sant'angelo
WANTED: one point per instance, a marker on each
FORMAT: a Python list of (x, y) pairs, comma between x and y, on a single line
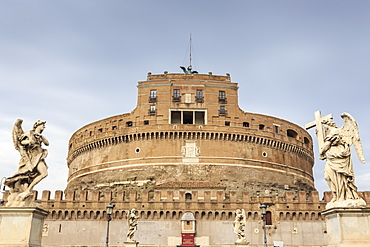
[(188, 149)]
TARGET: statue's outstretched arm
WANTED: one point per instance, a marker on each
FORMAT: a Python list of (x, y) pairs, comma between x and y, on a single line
[(44, 140)]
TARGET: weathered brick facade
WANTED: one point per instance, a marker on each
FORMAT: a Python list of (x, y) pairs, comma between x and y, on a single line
[(176, 113)]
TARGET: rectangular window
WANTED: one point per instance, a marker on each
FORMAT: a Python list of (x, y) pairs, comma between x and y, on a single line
[(152, 110), (146, 122), (153, 96), (199, 117), (222, 97), (187, 117), (176, 95), (268, 218), (199, 96), (175, 117), (276, 128), (222, 110), (153, 93)]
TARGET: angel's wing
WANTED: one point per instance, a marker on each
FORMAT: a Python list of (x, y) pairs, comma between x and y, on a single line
[(16, 133), (184, 69), (350, 134)]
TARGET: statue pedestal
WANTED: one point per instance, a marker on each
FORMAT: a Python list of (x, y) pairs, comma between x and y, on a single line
[(348, 227), (246, 244), (21, 226), (131, 244), (241, 243)]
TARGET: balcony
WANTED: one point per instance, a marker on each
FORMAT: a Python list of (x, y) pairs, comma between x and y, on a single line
[(152, 99), (222, 100), (199, 99), (176, 98), (152, 112), (222, 112)]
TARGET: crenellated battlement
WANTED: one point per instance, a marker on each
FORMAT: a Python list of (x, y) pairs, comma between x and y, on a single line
[(170, 205), (171, 196)]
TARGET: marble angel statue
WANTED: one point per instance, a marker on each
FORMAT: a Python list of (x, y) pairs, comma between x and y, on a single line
[(132, 225), (238, 225), (338, 172), (31, 168)]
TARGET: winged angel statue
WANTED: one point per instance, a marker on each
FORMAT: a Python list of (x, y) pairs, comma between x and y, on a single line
[(132, 225), (32, 167), (238, 225), (336, 150)]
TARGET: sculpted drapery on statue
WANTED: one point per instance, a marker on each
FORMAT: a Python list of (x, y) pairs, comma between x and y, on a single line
[(335, 148), (32, 167)]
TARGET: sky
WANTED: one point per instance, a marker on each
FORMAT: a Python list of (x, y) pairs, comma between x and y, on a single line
[(75, 62)]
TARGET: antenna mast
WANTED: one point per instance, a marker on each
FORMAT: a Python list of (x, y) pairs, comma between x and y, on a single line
[(190, 49), (189, 70)]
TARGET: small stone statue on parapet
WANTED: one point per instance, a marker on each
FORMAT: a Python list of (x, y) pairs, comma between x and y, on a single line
[(335, 147), (132, 225), (238, 225), (31, 168)]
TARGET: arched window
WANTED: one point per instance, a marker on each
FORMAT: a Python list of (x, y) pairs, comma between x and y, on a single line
[(306, 141), (292, 134)]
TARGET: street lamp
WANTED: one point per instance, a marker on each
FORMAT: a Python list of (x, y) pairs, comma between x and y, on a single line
[(263, 212), (109, 218)]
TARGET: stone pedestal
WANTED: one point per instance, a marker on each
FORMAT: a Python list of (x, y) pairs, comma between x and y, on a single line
[(21, 226), (348, 227), (131, 244), (242, 244)]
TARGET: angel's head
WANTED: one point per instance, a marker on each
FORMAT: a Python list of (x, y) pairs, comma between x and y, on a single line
[(39, 125)]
